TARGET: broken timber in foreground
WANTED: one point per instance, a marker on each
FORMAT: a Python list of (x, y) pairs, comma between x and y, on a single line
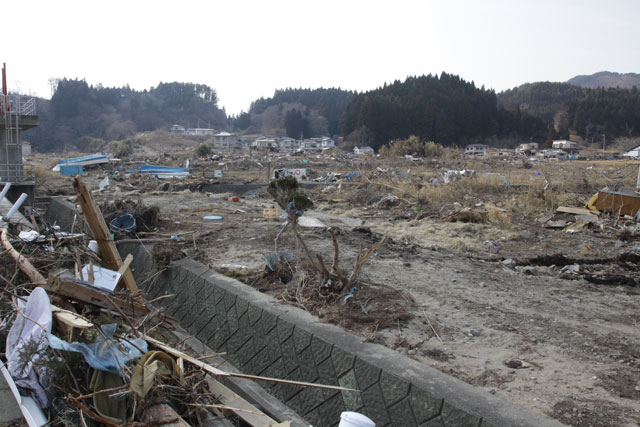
[(101, 233), (79, 292)]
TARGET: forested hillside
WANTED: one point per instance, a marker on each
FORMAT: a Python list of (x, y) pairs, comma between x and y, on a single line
[(614, 112), (445, 109), (589, 113), (300, 112), (77, 111), (542, 99)]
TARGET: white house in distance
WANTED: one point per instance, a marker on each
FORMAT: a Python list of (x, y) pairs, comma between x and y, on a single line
[(563, 144), (224, 141), (327, 142), (265, 142), (363, 150), (476, 150), (634, 152), (200, 131), (178, 129), (527, 148), (287, 144), (311, 144)]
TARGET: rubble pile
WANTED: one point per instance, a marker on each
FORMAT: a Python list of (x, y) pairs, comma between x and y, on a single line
[(84, 347)]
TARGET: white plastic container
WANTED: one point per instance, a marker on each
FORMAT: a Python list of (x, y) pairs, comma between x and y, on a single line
[(93, 245), (355, 419)]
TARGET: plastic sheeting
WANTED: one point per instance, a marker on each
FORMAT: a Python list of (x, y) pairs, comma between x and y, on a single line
[(26, 343), (104, 354)]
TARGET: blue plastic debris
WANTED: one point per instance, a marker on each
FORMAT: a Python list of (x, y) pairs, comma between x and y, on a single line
[(291, 207), (351, 175), (212, 217), (349, 295), (272, 260), (106, 353)]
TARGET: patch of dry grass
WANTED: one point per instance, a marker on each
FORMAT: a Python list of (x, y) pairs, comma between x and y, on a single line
[(44, 173)]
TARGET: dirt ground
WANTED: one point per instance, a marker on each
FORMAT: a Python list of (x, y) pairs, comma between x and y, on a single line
[(497, 303)]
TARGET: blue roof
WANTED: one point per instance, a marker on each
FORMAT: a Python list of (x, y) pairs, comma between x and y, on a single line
[(83, 158)]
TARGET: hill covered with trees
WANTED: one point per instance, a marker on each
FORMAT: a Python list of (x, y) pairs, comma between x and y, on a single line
[(299, 112), (78, 112), (445, 109), (589, 113), (542, 99)]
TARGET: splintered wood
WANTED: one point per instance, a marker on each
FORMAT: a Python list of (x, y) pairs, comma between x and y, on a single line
[(23, 262), (101, 233)]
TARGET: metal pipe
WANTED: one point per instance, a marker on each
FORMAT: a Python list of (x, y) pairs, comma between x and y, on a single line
[(6, 188), (16, 206)]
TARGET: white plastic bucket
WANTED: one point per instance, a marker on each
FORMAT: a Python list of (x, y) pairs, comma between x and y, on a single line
[(355, 419)]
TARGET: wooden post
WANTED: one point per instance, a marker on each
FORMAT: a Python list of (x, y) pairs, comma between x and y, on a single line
[(101, 233)]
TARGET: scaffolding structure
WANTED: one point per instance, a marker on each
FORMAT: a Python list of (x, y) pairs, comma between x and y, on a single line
[(17, 115)]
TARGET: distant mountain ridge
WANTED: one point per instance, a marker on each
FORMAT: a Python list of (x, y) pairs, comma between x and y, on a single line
[(606, 79)]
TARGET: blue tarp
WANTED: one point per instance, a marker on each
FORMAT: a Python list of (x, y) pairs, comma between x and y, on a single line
[(106, 353)]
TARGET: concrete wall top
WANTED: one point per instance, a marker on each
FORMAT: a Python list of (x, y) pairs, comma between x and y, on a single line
[(263, 337)]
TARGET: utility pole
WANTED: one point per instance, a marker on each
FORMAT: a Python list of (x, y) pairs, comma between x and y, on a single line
[(603, 142)]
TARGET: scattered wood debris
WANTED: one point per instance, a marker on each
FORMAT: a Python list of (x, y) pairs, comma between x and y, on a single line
[(146, 381)]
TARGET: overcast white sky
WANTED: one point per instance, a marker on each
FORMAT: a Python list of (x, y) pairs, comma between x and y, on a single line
[(248, 48)]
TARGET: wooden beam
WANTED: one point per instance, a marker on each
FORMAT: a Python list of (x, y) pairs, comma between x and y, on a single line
[(575, 211), (70, 323), (215, 371), (239, 406), (125, 264), (83, 293), (23, 262), (101, 233)]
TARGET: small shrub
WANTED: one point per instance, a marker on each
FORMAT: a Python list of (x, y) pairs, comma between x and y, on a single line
[(203, 150), (119, 148)]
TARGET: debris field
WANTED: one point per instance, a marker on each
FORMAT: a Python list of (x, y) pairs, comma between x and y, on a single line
[(515, 282)]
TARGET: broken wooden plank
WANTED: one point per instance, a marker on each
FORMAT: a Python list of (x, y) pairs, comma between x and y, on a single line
[(101, 234), (125, 265), (71, 323), (574, 211), (23, 262), (239, 406), (215, 371), (83, 293)]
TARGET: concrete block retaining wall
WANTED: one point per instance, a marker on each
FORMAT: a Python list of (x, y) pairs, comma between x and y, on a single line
[(263, 337)]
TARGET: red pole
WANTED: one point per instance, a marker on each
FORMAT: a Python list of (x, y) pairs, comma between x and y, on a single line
[(4, 79), (4, 84)]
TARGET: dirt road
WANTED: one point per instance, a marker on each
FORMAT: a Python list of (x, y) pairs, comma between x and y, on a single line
[(544, 338)]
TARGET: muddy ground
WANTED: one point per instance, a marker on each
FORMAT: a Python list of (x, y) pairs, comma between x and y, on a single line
[(499, 305)]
